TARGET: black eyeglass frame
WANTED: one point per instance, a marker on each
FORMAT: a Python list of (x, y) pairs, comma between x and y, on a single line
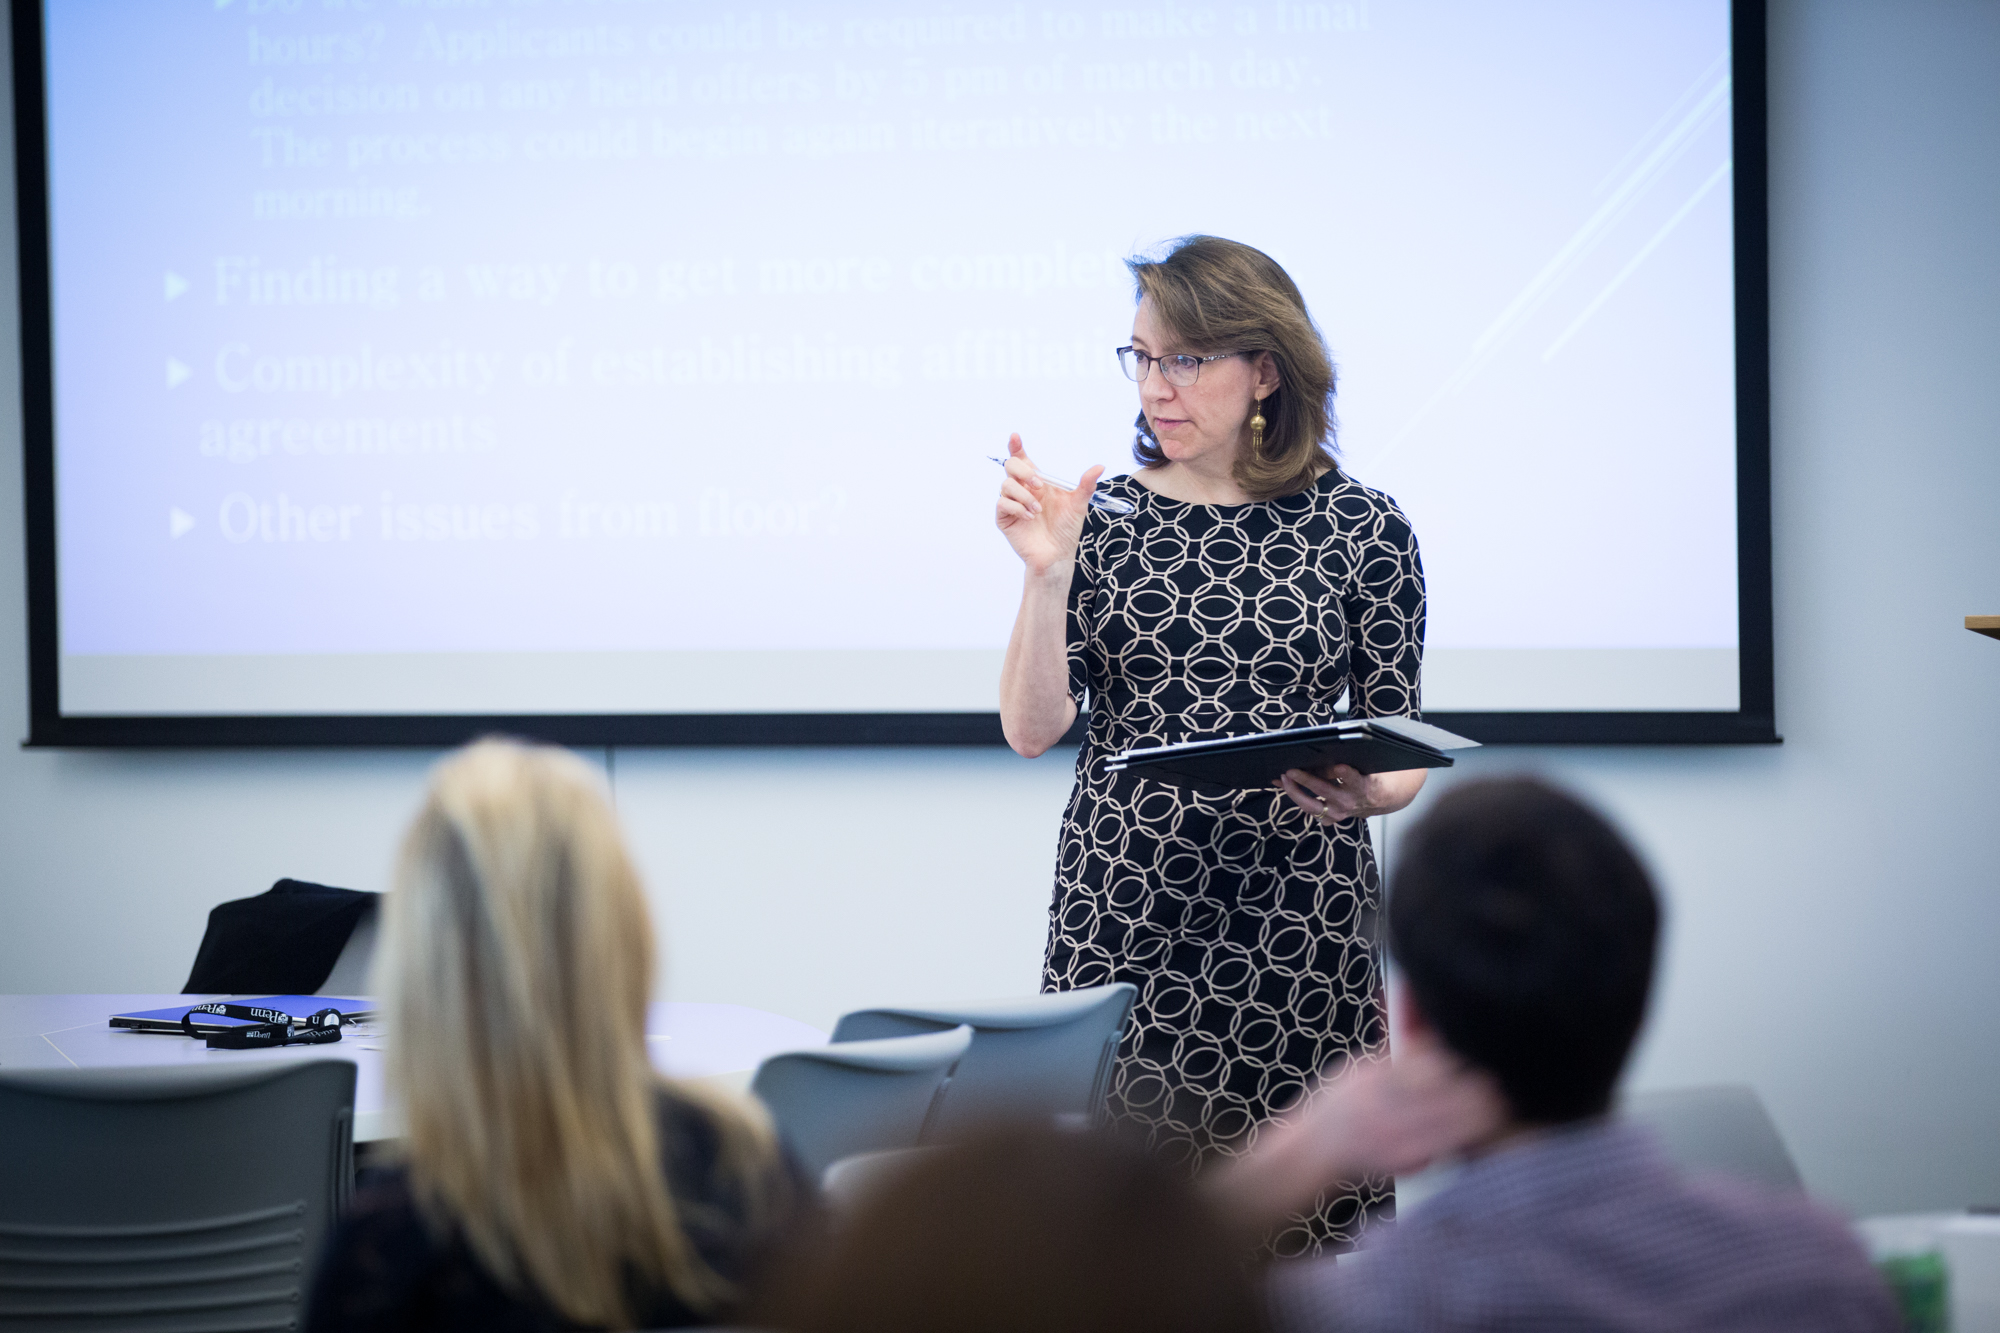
[(1128, 354)]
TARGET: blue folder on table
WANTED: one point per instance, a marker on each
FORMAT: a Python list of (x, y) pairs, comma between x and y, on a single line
[(298, 1006)]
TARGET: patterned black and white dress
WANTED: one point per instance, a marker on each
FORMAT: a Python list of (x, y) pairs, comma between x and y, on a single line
[(1247, 925)]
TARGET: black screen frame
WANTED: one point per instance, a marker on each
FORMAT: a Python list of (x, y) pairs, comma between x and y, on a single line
[(1754, 722)]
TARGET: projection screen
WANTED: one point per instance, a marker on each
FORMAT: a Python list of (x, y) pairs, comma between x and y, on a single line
[(627, 371)]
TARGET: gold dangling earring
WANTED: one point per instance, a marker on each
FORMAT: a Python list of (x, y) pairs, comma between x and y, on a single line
[(1257, 428)]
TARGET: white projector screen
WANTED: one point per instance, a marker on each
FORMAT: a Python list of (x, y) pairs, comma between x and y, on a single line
[(616, 358)]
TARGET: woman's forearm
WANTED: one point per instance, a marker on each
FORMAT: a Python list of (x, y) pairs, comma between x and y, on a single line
[(1035, 703), (1393, 791)]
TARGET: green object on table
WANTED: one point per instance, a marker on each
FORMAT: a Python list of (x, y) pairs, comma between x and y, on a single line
[(1922, 1290)]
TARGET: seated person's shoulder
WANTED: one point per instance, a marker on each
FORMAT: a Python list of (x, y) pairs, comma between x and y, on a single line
[(1734, 1255), (1699, 1251), (388, 1267), (737, 1190), (716, 1149), (377, 1255), (1780, 1236)]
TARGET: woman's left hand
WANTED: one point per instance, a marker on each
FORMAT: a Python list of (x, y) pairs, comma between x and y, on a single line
[(1340, 792)]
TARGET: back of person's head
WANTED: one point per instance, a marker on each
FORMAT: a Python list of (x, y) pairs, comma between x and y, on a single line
[(1525, 928), (518, 959), (1021, 1229)]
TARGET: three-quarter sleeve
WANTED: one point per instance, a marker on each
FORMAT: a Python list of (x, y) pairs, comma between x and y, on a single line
[(1384, 610)]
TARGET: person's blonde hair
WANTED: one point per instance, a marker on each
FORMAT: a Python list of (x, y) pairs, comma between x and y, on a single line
[(1214, 295), (518, 963)]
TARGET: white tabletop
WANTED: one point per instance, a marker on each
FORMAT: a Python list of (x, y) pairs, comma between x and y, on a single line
[(687, 1040), (1970, 1245)]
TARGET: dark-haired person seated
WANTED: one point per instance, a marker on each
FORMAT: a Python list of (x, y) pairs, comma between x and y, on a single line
[(552, 1180), (1025, 1230), (1525, 931)]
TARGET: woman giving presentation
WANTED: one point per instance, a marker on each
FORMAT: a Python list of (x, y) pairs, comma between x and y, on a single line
[(1253, 586)]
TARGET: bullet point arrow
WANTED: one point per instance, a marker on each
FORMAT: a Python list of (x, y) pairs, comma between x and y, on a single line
[(176, 372), (178, 522), (176, 284)]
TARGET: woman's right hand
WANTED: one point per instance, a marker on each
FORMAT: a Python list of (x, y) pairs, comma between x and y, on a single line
[(1043, 523)]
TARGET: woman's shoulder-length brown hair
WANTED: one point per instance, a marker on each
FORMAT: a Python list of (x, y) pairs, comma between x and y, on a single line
[(1216, 295)]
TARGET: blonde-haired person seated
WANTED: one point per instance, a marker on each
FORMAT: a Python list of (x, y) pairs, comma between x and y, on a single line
[(551, 1179)]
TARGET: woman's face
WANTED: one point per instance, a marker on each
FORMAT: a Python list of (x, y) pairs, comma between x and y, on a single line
[(1209, 419)]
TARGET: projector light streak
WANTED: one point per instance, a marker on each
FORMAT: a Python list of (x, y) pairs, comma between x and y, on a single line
[(1544, 284), (1609, 212), (1717, 66), (1632, 264)]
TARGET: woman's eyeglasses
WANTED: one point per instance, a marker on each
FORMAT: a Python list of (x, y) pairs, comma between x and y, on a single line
[(1181, 370)]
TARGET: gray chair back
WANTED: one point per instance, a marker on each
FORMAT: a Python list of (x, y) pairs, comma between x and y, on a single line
[(1037, 1057), (170, 1198), (353, 971), (851, 1179), (1723, 1129), (831, 1102)]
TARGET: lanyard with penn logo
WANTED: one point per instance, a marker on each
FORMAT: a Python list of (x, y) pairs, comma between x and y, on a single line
[(269, 1027)]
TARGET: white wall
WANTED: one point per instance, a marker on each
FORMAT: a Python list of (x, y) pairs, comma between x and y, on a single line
[(1836, 900)]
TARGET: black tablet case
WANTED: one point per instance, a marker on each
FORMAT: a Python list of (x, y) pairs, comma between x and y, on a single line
[(1218, 767)]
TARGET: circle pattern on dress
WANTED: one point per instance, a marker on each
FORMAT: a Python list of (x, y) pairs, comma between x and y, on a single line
[(1248, 927)]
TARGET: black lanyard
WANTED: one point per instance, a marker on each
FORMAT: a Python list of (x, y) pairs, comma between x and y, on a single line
[(274, 1027)]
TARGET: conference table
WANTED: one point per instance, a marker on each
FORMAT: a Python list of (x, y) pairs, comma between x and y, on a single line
[(688, 1039)]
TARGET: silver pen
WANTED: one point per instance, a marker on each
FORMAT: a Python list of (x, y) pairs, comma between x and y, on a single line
[(1110, 504)]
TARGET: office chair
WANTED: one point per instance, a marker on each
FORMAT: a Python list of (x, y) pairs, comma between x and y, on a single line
[(862, 1096), (351, 971), (1723, 1129), (851, 1180), (1036, 1057), (287, 940), (159, 1199)]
